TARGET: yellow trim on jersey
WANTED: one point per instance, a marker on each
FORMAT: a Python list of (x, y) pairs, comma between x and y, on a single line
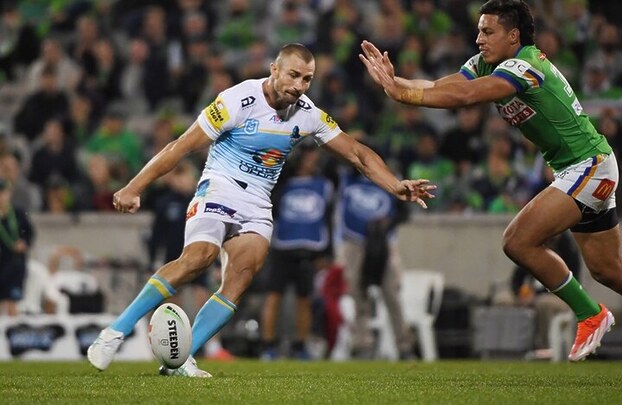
[(274, 132), (267, 131)]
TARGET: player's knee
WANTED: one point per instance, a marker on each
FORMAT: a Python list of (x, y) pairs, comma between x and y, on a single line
[(511, 244), (603, 277), (610, 276)]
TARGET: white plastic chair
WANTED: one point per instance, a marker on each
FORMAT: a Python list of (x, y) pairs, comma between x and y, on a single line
[(342, 351), (381, 323), (561, 335), (421, 293)]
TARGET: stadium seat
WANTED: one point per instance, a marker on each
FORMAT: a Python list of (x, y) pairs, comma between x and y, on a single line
[(561, 335), (421, 294), (386, 347), (342, 351)]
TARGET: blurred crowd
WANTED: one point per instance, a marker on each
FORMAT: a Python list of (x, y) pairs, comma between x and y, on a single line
[(90, 90)]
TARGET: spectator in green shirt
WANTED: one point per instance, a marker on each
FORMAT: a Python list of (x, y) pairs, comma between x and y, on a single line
[(120, 146)]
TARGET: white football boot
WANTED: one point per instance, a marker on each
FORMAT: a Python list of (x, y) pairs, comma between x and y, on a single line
[(101, 352), (188, 369)]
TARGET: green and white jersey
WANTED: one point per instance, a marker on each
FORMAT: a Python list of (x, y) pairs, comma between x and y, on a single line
[(545, 108)]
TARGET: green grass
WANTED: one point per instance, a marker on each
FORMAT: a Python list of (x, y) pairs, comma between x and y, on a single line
[(254, 382)]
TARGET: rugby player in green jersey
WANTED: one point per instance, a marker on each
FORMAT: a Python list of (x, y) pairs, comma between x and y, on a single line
[(532, 95)]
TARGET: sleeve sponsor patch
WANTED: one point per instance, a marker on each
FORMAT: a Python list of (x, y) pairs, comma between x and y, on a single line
[(469, 69), (217, 113), (526, 74), (330, 122)]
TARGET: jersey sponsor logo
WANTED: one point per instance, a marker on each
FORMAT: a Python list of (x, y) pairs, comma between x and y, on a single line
[(251, 127), (270, 157), (247, 101), (294, 137), (516, 66), (219, 209), (604, 189), (276, 119), (328, 120), (192, 211), (303, 105), (523, 70), (268, 164), (515, 112), (217, 113), (255, 170)]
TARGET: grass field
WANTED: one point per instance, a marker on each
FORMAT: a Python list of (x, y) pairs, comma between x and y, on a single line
[(254, 382)]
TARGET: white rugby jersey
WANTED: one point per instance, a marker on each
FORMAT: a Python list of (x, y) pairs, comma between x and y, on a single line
[(252, 139)]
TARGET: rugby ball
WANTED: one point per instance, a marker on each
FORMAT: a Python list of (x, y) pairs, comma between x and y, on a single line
[(170, 335)]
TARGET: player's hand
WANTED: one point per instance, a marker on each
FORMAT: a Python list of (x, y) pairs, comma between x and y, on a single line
[(376, 61), (380, 69), (415, 190), (126, 200)]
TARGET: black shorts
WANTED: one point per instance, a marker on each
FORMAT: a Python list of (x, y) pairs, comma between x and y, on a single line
[(12, 281), (295, 267), (592, 221)]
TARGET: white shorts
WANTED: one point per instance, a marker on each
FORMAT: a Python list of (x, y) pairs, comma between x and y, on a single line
[(221, 209), (592, 182)]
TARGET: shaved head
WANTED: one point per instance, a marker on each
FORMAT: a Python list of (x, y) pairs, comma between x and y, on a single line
[(295, 49)]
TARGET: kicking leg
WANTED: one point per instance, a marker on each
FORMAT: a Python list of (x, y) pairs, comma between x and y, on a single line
[(245, 255), (195, 258)]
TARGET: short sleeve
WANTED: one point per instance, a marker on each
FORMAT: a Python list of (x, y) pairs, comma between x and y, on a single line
[(220, 116), (470, 69), (520, 73), (327, 127)]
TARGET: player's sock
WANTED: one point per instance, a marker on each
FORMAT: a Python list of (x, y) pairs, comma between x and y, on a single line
[(211, 318), (573, 294), (154, 292)]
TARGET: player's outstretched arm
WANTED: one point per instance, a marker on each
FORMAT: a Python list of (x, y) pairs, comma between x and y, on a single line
[(448, 92), (381, 70), (373, 59), (370, 164), (128, 198)]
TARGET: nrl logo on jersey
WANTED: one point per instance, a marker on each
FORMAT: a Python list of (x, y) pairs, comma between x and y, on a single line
[(515, 112), (251, 126)]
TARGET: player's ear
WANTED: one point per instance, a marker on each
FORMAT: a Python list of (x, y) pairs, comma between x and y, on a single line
[(514, 36)]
